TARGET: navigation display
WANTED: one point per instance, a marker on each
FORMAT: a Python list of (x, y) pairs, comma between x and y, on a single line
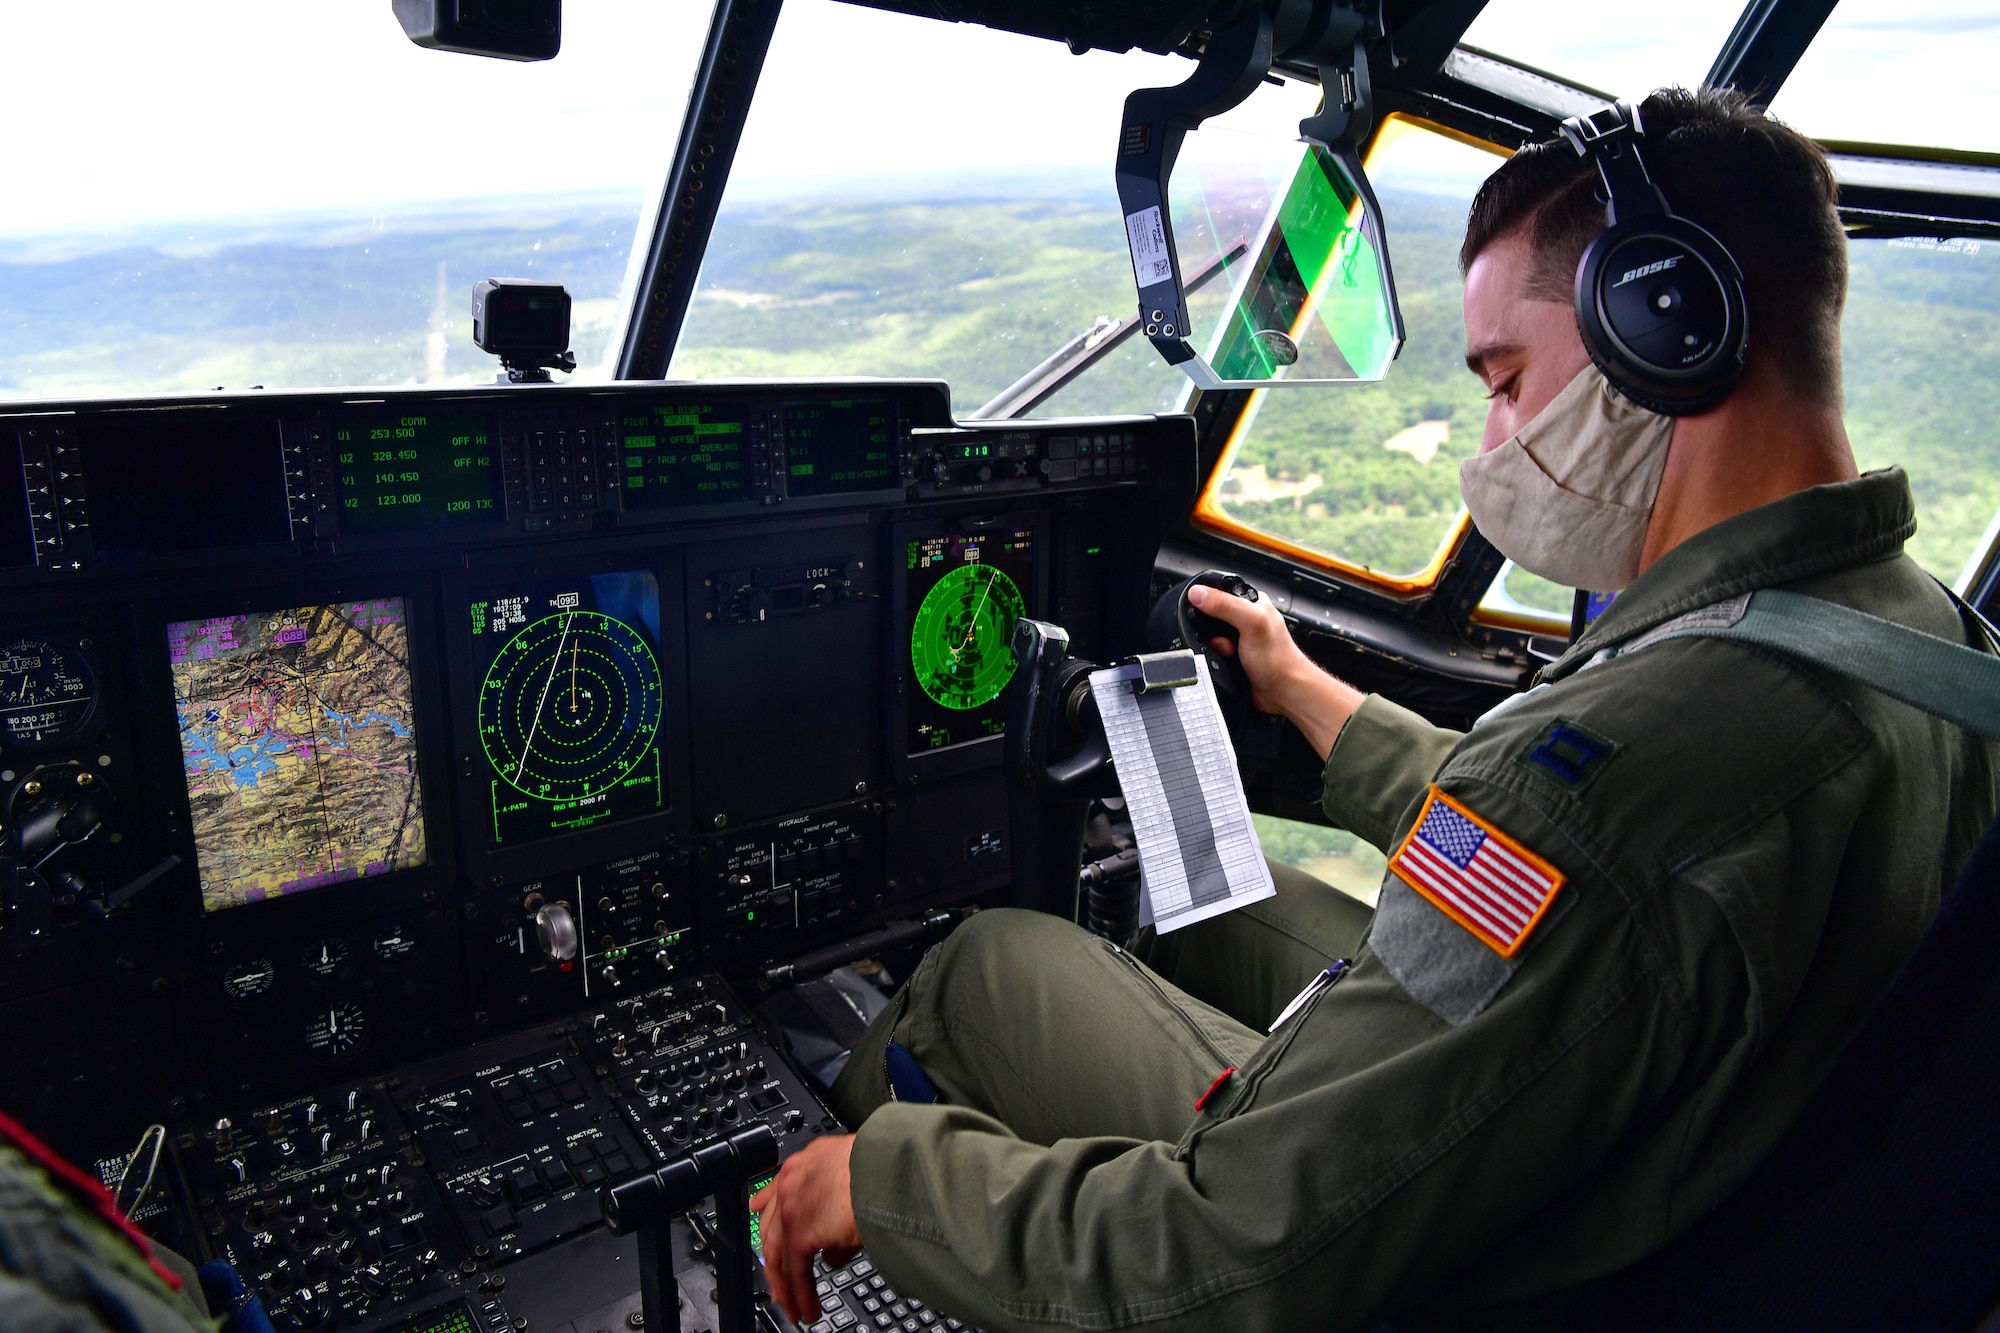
[(838, 445), (683, 454), (965, 592), (400, 472), (570, 703), (298, 741)]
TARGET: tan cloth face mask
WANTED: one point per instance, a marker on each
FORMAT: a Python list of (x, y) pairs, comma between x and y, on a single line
[(1570, 494)]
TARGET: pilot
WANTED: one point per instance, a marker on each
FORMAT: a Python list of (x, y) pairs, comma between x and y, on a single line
[(1631, 917)]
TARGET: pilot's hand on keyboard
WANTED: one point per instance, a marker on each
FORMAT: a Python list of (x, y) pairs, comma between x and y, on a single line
[(1283, 680), (808, 1208)]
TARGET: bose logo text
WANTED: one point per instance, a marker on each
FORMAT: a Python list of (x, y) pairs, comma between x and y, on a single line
[(1647, 270)]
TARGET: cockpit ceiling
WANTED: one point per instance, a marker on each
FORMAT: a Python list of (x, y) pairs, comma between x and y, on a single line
[(1422, 31)]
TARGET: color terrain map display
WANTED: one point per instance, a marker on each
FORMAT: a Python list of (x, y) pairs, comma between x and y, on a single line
[(300, 748)]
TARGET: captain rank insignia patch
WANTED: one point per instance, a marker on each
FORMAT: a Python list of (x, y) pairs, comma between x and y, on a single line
[(1476, 875)]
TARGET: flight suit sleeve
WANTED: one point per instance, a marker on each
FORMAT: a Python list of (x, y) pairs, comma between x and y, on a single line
[(1382, 761), (1369, 1150)]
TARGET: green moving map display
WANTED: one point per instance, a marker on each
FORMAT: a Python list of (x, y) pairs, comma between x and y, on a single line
[(570, 704), (965, 592)]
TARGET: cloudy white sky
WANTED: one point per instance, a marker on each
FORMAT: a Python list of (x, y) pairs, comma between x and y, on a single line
[(130, 110)]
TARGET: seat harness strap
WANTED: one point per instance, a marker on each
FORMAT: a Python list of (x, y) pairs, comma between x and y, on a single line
[(1945, 679)]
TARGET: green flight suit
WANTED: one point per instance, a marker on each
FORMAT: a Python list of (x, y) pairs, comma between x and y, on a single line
[(1448, 1137)]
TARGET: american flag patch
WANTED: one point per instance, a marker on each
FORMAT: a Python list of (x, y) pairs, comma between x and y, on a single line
[(1475, 874)]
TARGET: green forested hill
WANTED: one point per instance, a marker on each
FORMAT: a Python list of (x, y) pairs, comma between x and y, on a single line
[(973, 287)]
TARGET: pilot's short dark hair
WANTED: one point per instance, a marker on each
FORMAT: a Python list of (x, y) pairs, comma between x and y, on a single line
[(1761, 187)]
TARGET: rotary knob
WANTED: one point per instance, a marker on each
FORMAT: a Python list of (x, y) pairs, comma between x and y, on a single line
[(555, 931)]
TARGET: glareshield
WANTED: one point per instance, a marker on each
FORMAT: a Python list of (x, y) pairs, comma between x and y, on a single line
[(1309, 297)]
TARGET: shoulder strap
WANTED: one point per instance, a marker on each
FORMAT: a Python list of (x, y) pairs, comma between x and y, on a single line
[(1945, 679)]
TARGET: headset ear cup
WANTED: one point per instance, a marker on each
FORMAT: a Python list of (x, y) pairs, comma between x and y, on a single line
[(1661, 308)]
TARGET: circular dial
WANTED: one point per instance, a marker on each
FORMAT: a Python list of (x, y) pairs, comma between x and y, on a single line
[(394, 946), (327, 959), (961, 643), (47, 692), (336, 1030), (570, 705), (247, 981)]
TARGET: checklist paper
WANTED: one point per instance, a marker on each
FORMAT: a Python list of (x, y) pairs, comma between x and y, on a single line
[(1198, 851)]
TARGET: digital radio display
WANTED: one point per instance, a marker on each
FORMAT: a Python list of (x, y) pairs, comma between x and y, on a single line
[(399, 472)]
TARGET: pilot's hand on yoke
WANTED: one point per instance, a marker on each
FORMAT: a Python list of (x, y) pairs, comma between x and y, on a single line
[(1283, 680), (808, 1208)]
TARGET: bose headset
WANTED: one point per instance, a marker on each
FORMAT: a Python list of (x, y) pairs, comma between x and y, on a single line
[(1659, 300)]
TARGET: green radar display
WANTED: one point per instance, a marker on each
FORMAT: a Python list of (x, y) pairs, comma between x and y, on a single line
[(967, 592), (570, 704)]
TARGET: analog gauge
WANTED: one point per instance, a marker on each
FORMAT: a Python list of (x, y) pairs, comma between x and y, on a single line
[(47, 692), (394, 946), (337, 1031), (570, 706), (247, 981), (961, 643), (327, 960)]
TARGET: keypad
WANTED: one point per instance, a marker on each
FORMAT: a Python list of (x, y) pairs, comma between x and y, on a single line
[(857, 1297)]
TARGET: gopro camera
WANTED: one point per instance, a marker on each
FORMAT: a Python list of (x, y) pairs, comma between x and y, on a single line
[(502, 29), (525, 324)]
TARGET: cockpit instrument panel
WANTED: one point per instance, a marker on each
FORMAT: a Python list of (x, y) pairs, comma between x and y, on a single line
[(342, 732)]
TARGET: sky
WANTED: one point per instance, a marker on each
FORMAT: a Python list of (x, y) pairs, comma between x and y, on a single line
[(241, 108)]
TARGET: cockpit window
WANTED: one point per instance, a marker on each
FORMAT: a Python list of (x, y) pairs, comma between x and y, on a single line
[(1920, 350), (958, 219), (1364, 478), (1623, 50), (1945, 48), (295, 196)]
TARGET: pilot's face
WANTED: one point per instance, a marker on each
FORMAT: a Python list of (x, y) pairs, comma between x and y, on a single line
[(1524, 348)]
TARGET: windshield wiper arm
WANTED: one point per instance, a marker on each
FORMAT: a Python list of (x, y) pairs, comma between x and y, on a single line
[(1085, 350)]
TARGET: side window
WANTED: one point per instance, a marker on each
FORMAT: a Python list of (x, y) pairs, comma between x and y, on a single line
[(1333, 856), (1364, 479), (1920, 350)]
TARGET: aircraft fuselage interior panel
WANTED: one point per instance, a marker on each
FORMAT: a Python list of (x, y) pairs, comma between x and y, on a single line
[(399, 774)]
